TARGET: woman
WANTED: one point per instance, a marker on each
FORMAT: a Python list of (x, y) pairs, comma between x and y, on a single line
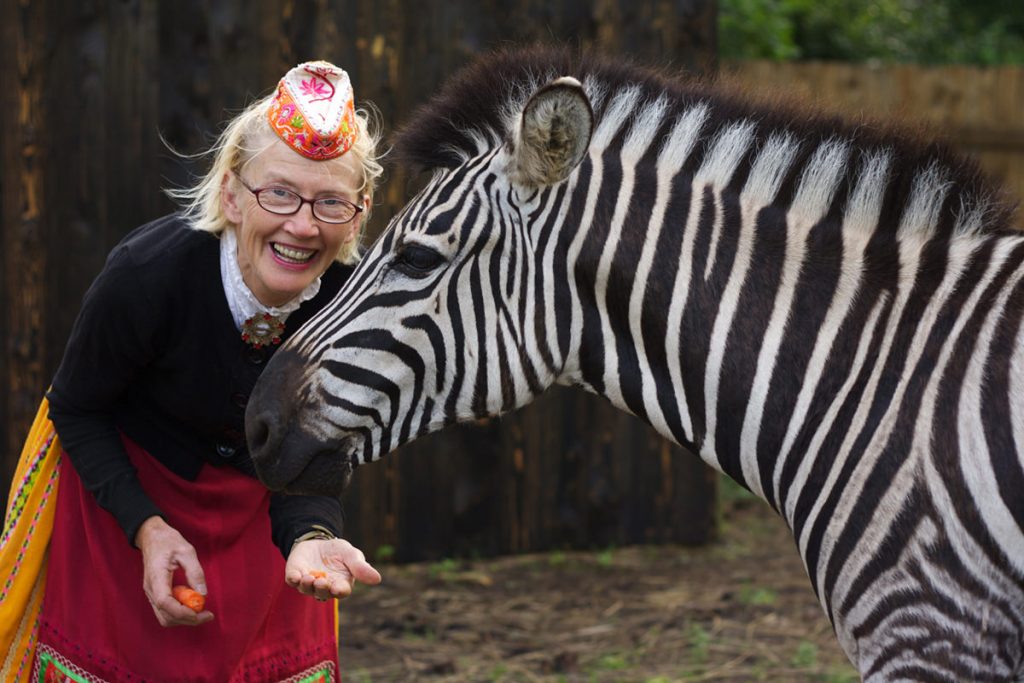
[(157, 488)]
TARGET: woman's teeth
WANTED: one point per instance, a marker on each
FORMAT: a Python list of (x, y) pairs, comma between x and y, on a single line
[(292, 254)]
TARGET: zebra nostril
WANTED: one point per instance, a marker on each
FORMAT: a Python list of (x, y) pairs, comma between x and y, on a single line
[(270, 427), (257, 435)]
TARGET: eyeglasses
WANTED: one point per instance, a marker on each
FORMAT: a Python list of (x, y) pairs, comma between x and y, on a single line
[(284, 202)]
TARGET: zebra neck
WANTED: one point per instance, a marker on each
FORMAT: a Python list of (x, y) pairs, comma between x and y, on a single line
[(686, 302)]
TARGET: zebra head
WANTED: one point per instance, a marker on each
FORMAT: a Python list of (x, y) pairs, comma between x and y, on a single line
[(444, 319)]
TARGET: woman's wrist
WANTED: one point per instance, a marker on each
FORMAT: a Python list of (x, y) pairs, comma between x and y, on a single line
[(150, 525), (315, 533)]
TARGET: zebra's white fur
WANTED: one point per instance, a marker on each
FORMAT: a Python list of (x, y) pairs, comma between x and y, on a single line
[(978, 472), (724, 155), (639, 138), (674, 152), (695, 117), (812, 201), (727, 151)]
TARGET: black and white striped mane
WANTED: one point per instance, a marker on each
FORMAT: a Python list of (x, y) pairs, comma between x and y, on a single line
[(476, 108)]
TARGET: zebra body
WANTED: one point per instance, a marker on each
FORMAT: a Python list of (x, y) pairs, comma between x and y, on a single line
[(830, 316)]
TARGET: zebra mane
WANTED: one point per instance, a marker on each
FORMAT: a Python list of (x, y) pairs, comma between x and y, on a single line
[(926, 186)]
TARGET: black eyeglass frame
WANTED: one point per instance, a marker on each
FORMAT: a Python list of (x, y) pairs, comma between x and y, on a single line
[(302, 200)]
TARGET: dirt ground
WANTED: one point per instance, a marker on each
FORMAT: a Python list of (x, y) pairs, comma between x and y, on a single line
[(738, 610)]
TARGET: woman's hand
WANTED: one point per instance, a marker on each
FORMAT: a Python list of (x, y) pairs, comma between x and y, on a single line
[(340, 561), (163, 551)]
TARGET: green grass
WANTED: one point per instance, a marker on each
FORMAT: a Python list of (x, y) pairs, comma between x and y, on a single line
[(612, 662), (557, 559), (420, 635), (443, 569), (757, 596), (840, 675), (806, 655), (699, 639)]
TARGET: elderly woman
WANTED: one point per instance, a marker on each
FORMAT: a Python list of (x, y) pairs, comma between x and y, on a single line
[(157, 488)]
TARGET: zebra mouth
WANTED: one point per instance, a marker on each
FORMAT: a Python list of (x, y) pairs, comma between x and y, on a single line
[(327, 473), (307, 465)]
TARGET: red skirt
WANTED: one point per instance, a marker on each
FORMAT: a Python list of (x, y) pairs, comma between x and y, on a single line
[(97, 625)]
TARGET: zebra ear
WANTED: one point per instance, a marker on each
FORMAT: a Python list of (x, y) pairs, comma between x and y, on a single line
[(553, 134)]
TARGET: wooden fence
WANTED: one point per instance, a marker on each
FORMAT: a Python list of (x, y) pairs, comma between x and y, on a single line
[(89, 88), (978, 110)]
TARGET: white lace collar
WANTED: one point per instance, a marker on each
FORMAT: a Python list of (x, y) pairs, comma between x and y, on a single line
[(242, 302)]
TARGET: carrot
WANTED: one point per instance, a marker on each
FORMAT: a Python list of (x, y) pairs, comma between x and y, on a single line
[(194, 600), (316, 574)]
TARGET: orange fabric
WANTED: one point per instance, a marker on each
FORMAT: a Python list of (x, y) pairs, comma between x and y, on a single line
[(28, 525)]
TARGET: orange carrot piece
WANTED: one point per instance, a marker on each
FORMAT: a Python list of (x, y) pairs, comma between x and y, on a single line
[(194, 600), (317, 574)]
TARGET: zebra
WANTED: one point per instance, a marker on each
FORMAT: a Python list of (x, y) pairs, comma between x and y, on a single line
[(827, 311)]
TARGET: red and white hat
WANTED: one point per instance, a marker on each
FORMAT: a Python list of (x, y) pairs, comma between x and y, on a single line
[(314, 110)]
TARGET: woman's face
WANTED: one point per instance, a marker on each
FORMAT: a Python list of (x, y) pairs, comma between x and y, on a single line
[(279, 256)]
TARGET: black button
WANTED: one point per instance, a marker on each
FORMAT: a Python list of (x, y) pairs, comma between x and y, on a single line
[(225, 451), (239, 399), (256, 356)]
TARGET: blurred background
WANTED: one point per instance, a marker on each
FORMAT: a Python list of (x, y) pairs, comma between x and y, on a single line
[(91, 88)]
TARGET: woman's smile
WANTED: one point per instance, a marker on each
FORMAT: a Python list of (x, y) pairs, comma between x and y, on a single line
[(292, 257)]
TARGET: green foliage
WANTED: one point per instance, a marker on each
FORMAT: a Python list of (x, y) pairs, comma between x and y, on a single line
[(756, 29), (983, 32)]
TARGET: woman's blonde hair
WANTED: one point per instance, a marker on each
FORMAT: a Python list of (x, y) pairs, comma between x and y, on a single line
[(245, 137)]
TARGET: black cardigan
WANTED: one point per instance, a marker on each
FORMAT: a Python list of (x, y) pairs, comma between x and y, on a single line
[(155, 354)]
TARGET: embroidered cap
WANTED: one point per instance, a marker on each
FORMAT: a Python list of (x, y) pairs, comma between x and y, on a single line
[(314, 110)]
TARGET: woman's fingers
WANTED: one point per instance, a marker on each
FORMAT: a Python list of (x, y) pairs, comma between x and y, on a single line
[(164, 551), (170, 612), (189, 562), (326, 569)]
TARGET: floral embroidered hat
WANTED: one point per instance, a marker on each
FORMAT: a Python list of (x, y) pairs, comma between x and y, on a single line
[(314, 110)]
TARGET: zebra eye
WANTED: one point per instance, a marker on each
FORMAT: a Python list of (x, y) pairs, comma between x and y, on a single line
[(417, 261)]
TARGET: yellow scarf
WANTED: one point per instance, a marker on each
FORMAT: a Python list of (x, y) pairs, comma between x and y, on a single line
[(24, 545)]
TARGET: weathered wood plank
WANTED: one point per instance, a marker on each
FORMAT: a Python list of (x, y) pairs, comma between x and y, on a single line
[(24, 257)]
